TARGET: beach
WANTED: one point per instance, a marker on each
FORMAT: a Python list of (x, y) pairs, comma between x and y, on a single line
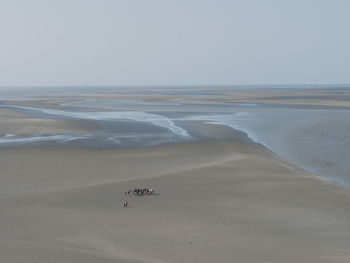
[(219, 196), (214, 201)]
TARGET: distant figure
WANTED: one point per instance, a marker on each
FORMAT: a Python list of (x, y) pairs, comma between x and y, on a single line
[(140, 191), (125, 204)]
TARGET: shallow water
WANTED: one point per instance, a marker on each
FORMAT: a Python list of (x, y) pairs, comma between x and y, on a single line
[(315, 138), (312, 137)]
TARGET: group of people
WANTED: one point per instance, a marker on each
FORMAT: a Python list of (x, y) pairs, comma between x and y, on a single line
[(138, 192)]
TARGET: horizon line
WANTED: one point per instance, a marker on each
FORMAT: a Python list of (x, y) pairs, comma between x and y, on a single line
[(172, 85)]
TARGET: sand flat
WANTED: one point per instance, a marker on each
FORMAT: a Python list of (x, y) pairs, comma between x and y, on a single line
[(218, 201), (15, 122)]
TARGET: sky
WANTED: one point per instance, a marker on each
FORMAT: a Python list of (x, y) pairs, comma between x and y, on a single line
[(174, 42)]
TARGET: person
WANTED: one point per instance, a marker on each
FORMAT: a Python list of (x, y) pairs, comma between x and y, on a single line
[(125, 204)]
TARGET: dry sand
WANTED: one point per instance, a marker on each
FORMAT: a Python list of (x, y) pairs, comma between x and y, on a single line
[(221, 201)]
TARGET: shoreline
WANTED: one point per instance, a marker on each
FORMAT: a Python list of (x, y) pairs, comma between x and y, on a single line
[(330, 164), (200, 126)]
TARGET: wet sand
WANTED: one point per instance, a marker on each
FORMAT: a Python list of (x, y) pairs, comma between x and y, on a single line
[(215, 201), (14, 122)]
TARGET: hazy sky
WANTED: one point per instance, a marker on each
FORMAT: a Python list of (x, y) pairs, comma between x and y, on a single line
[(155, 42)]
